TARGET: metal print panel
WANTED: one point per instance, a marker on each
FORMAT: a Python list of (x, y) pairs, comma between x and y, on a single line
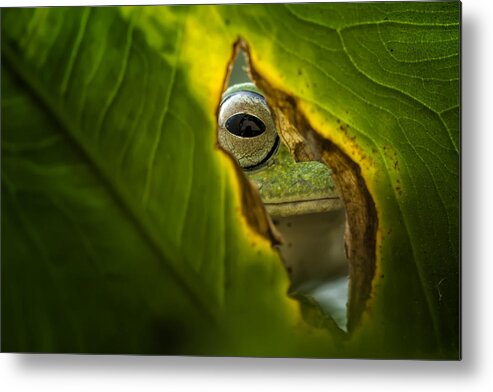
[(275, 180)]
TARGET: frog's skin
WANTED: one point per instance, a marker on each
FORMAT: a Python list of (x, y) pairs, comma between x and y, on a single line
[(286, 187), (291, 188)]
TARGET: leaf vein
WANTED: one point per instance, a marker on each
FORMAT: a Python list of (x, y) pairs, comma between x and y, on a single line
[(75, 50), (157, 140), (116, 88)]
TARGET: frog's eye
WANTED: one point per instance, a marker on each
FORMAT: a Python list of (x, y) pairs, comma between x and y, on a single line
[(246, 128), (245, 125)]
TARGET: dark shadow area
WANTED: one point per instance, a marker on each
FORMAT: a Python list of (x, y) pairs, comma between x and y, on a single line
[(471, 180), (82, 365)]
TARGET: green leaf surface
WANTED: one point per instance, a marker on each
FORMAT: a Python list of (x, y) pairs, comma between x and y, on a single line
[(125, 229)]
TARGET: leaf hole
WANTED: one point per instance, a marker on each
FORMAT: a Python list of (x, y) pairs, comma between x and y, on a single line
[(328, 246)]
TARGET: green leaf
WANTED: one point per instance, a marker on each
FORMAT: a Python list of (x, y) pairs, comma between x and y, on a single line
[(125, 229)]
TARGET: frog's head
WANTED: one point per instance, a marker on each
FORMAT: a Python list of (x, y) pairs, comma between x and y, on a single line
[(246, 128)]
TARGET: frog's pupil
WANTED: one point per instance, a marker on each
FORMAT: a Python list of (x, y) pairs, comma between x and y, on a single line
[(245, 125)]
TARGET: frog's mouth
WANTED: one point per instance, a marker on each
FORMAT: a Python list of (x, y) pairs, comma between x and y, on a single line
[(301, 207)]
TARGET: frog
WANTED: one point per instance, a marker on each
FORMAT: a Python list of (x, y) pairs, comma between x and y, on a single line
[(300, 197)]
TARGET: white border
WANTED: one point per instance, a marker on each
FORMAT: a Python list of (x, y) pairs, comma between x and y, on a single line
[(474, 373)]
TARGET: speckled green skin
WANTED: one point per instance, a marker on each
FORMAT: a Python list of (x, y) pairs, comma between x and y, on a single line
[(289, 188), (286, 180)]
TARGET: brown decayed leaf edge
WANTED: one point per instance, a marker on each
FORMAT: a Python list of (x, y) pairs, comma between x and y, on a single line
[(362, 221)]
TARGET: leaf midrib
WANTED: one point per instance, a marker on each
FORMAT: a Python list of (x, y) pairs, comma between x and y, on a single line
[(189, 281)]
